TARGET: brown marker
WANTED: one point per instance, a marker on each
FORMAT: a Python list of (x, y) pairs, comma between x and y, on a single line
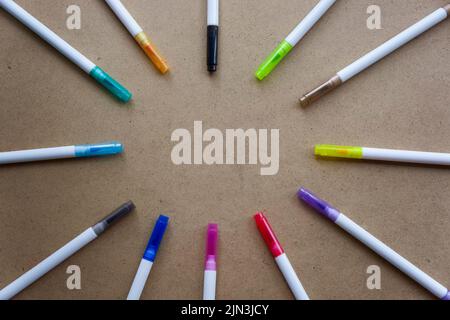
[(376, 55)]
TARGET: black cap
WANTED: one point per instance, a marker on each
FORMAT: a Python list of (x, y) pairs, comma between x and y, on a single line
[(212, 48)]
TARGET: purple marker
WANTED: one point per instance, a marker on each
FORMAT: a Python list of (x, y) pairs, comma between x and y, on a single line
[(373, 243), (209, 284)]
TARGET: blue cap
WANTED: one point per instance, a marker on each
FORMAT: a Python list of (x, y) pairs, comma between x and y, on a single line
[(98, 149), (156, 237)]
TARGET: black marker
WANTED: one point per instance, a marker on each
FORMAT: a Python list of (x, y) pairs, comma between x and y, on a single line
[(213, 34)]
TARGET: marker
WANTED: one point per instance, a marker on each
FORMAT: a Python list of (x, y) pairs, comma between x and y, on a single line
[(209, 283), (293, 38), (373, 243), (280, 257), (78, 151), (213, 34), (65, 252), (138, 34), (432, 158), (148, 259), (67, 50), (376, 55)]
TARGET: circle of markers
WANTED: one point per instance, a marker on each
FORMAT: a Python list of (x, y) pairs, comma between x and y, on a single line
[(322, 207)]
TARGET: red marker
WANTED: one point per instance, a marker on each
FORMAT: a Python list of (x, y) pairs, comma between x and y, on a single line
[(280, 257)]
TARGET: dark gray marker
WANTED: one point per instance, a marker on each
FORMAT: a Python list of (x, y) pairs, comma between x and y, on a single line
[(65, 252), (113, 217)]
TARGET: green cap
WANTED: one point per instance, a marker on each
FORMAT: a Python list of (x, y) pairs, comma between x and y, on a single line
[(273, 60), (119, 91)]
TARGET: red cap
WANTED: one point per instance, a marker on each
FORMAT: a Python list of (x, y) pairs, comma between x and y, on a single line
[(268, 235)]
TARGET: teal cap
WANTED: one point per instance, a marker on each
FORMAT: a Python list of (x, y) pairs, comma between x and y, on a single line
[(273, 60), (98, 149), (119, 91)]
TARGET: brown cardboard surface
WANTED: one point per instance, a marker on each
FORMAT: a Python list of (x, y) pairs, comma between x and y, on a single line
[(402, 102)]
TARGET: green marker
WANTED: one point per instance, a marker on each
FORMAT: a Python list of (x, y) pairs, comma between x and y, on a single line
[(293, 38)]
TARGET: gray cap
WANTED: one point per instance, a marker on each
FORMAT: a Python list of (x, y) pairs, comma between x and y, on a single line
[(114, 216)]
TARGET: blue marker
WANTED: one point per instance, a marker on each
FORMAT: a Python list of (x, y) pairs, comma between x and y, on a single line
[(78, 151), (149, 257)]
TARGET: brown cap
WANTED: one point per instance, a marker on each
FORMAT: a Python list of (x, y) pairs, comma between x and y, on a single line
[(320, 91), (447, 8)]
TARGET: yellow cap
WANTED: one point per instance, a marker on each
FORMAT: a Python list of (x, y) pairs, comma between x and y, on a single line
[(325, 150)]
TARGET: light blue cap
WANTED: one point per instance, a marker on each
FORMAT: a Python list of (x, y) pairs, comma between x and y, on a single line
[(98, 149), (156, 238)]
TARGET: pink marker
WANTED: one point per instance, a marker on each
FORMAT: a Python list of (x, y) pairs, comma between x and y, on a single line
[(280, 257), (209, 283)]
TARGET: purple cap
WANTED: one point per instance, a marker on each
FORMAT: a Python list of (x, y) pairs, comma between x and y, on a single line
[(211, 247), (318, 204), (447, 297)]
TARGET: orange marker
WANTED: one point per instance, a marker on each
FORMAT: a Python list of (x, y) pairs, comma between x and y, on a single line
[(138, 34)]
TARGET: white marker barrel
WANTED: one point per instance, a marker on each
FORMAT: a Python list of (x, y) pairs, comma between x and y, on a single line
[(140, 280), (309, 21), (48, 264), (291, 277), (213, 13), (393, 257), (37, 154), (125, 17), (406, 156), (393, 44), (45, 33), (209, 285)]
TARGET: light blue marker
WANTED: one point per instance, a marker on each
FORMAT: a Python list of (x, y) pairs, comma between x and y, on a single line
[(77, 151)]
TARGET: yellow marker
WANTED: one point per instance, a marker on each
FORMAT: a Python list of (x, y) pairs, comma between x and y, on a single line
[(138, 34), (433, 158), (325, 150)]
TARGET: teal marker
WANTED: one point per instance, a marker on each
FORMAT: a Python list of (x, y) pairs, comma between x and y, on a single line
[(293, 38), (115, 88)]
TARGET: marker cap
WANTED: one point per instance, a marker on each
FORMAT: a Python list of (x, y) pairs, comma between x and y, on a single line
[(212, 48), (98, 149), (273, 60), (119, 91), (447, 297), (325, 150), (318, 204), (156, 238), (113, 217), (268, 235), (211, 246), (151, 52)]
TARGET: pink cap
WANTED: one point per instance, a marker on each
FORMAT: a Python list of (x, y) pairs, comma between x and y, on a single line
[(268, 235), (211, 247)]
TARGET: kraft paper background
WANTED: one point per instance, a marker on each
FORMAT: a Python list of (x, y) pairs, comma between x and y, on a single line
[(402, 102)]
